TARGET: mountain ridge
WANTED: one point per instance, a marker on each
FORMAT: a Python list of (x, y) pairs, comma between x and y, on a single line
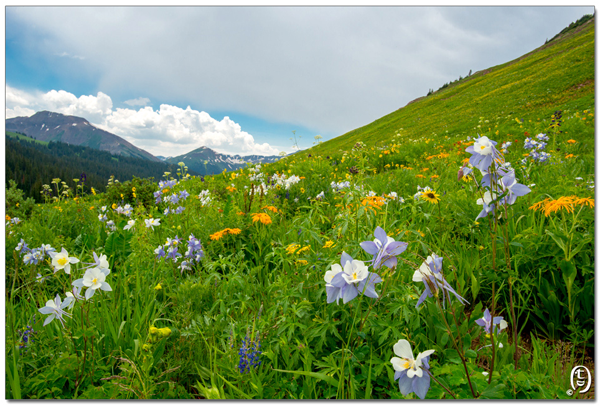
[(51, 126)]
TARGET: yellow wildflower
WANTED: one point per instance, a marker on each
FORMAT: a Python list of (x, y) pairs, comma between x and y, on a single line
[(262, 217)]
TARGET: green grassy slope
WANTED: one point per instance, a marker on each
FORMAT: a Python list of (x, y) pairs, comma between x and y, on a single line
[(557, 76), (24, 138)]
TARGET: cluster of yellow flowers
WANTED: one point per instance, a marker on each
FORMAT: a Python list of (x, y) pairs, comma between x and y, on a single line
[(262, 217), (568, 203), (219, 234), (271, 208), (296, 249), (373, 201)]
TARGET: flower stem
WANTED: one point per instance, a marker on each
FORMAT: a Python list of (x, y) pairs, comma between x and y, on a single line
[(439, 383)]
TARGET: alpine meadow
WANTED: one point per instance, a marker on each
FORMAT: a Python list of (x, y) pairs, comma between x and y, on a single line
[(443, 251)]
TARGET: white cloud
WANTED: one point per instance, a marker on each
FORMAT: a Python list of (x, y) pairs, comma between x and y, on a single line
[(140, 101), (168, 131), (330, 69), (66, 54)]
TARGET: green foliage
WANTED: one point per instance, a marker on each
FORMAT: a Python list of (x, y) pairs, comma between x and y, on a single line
[(123, 192), (16, 205)]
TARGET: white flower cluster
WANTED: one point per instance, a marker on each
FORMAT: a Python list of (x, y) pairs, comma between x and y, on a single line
[(205, 197), (285, 181)]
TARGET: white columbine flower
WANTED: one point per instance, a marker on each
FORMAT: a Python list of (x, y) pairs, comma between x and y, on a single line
[(93, 279), (130, 224), (55, 309), (483, 146), (405, 360), (61, 260), (354, 271), (150, 223)]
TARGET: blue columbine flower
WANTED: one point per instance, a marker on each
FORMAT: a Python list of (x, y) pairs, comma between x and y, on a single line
[(487, 322), (483, 153), (412, 374), (384, 249), (348, 280), (430, 273)]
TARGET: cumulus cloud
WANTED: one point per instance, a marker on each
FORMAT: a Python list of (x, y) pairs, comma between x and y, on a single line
[(140, 101), (168, 131), (329, 69)]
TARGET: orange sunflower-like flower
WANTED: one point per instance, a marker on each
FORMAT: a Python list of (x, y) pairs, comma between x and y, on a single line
[(217, 236), (262, 217)]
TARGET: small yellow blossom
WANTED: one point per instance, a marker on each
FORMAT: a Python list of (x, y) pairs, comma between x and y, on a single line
[(158, 287)]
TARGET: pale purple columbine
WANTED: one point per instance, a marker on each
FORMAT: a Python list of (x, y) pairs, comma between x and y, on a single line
[(183, 195), (486, 202), (55, 309), (412, 374), (179, 210), (99, 262), (94, 278), (160, 252), (173, 254), (542, 137), (349, 280), (487, 322), (530, 143), (483, 153), (22, 247), (509, 183), (430, 273), (157, 197), (384, 249), (74, 295)]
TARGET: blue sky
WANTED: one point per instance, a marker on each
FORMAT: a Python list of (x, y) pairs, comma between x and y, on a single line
[(165, 78)]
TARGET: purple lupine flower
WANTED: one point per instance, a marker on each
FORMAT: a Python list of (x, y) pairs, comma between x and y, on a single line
[(249, 355), (430, 273), (412, 374), (384, 249), (487, 322), (483, 153)]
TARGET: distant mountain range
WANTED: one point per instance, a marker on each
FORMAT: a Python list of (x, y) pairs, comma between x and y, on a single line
[(208, 162), (49, 126)]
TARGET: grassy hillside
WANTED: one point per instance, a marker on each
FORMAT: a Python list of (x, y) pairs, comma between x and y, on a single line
[(557, 76), (24, 138)]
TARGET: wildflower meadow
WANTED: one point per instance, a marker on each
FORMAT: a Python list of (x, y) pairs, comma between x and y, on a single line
[(449, 257), (424, 268)]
